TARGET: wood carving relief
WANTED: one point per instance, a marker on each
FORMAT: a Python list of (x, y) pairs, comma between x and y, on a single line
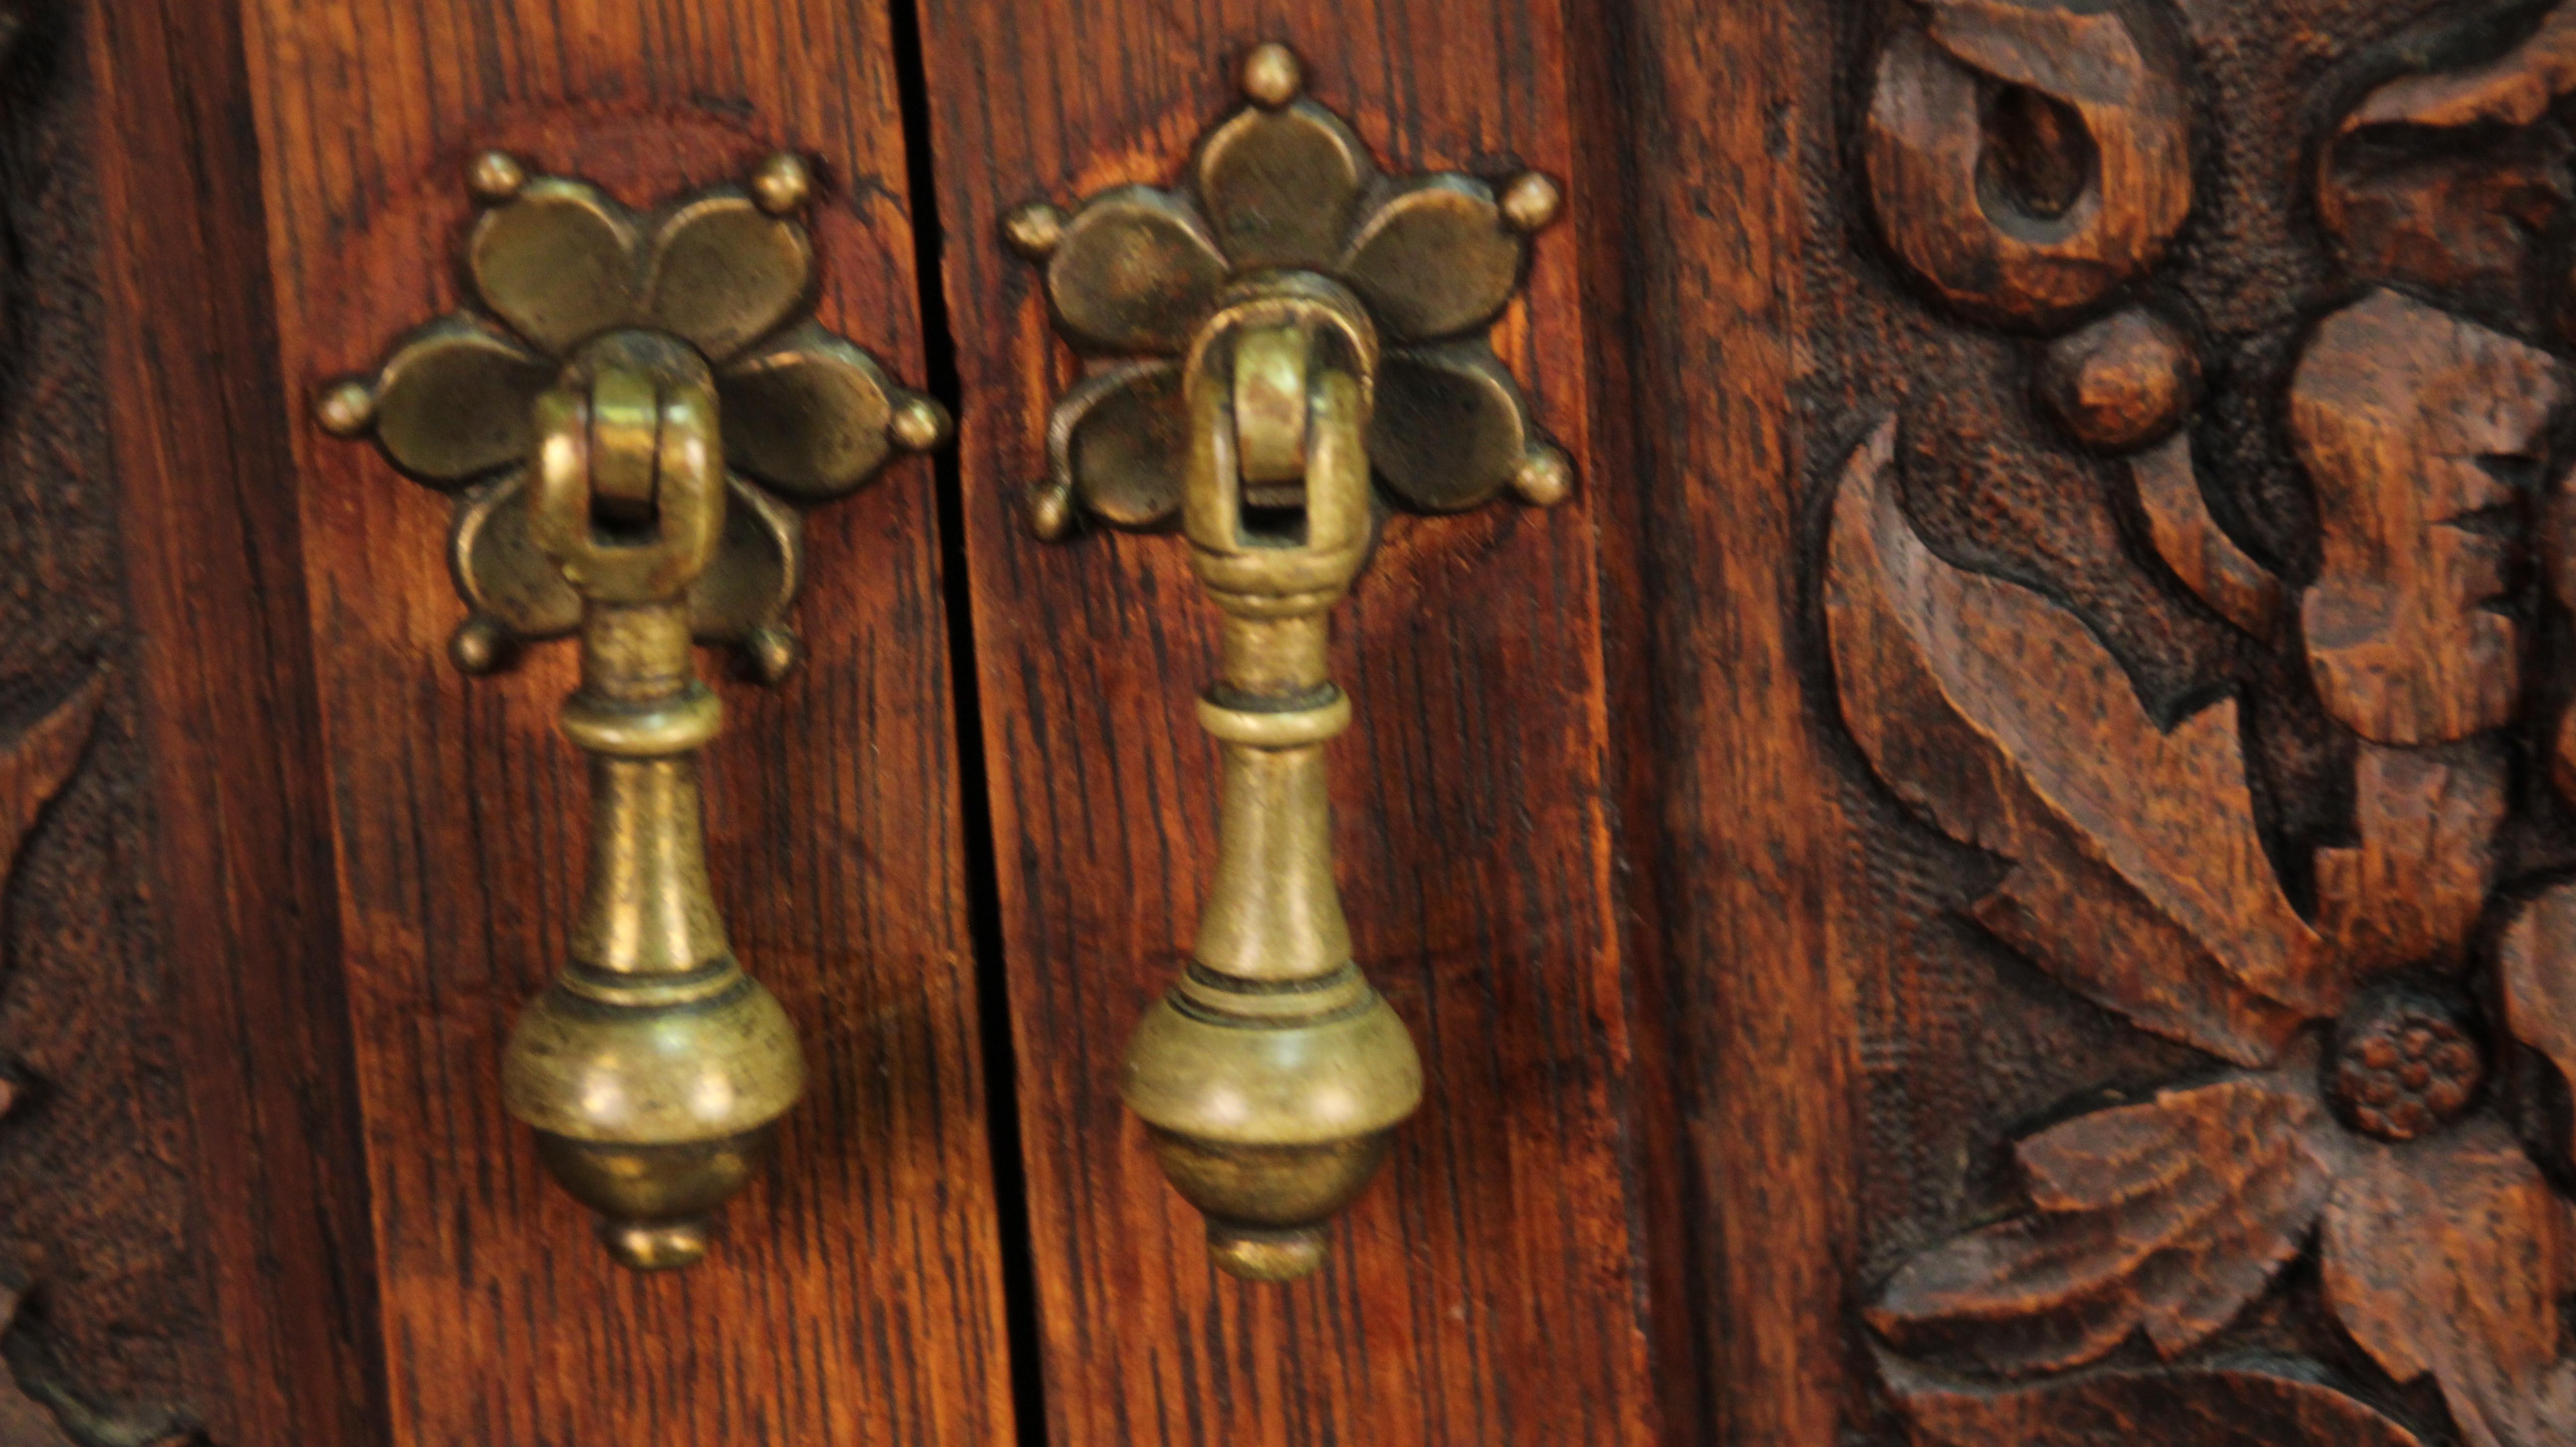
[(2239, 718)]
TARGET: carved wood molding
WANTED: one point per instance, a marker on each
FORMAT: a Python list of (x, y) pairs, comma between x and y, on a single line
[(2366, 1142)]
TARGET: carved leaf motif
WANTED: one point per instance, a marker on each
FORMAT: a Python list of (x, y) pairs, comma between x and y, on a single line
[(2398, 409), (2536, 958), (2452, 1259), (34, 765), (2201, 554), (2514, 90), (2411, 889), (2165, 1217), (24, 1421), (2232, 1406), (2025, 264), (2137, 876)]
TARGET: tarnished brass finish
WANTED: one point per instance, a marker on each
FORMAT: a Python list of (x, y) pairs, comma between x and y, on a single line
[(1283, 187), (578, 423), (1283, 307)]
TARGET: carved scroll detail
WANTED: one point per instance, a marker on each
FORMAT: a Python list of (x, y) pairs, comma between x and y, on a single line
[(2399, 409), (2101, 180), (2357, 1110)]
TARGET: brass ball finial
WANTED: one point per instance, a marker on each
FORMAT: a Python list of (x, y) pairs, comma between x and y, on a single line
[(346, 409), (918, 424), (1531, 202), (1035, 230), (1545, 478), (782, 183), (495, 177), (772, 653), (477, 647), (1271, 75), (1050, 509)]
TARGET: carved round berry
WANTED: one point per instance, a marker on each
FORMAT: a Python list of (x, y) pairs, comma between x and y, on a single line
[(2121, 383), (2405, 1063)]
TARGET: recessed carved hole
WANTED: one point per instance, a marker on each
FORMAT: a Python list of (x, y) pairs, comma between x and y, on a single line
[(2038, 157)]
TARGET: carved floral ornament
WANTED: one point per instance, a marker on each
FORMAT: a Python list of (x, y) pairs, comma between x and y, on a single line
[(2380, 1037)]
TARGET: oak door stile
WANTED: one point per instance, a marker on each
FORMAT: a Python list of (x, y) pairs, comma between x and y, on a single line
[(856, 1298)]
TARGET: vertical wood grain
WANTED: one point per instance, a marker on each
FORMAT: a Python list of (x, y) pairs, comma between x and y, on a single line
[(244, 890), (857, 1298), (1484, 1290), (1713, 112)]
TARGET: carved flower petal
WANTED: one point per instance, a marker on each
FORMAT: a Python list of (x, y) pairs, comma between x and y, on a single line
[(723, 273), (806, 414), (506, 578), (2536, 958), (1134, 273), (1450, 428), (2165, 1217), (1280, 187), (2240, 1404), (454, 400), (1120, 440), (1434, 258), (558, 263), (2452, 1260)]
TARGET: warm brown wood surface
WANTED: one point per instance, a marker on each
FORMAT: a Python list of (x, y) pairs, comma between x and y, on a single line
[(1485, 1290), (241, 854), (857, 1298), (1730, 817)]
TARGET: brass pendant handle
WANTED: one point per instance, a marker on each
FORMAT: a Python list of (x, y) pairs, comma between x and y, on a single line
[(577, 422), (1283, 366)]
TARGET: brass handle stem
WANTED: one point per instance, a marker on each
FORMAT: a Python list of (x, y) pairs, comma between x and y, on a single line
[(1272, 1074), (653, 1069), (570, 414)]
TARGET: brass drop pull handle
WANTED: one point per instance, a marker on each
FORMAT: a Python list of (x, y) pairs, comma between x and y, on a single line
[(574, 417), (1261, 346)]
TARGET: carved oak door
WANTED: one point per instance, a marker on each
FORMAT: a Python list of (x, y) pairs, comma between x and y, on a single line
[(2001, 868)]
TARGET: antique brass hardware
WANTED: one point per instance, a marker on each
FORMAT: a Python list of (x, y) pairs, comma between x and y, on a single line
[(1258, 346), (575, 420)]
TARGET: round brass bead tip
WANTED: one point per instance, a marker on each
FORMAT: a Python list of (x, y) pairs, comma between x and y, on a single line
[(1050, 512), (1545, 478), (1270, 1256), (1531, 202), (783, 183), (918, 425), (655, 1245), (772, 653), (1035, 230), (495, 177), (477, 647), (1271, 75), (346, 409)]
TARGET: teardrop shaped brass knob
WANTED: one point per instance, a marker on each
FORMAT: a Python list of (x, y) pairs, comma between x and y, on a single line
[(578, 421), (1299, 297)]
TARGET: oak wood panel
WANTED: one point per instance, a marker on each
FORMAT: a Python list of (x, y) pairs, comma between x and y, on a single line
[(241, 839), (857, 1298), (1713, 115), (1485, 1290)]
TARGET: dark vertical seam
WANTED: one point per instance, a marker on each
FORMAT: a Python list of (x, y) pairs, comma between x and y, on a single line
[(983, 886)]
